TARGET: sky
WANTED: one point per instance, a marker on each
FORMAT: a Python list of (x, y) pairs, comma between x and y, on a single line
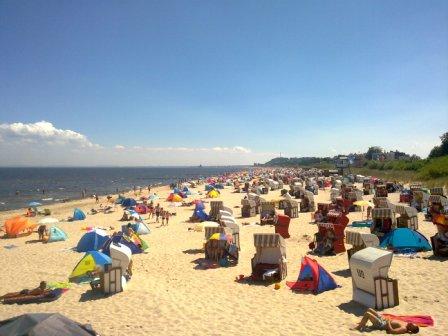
[(218, 82)]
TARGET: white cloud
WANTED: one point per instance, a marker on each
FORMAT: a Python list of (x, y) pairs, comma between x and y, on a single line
[(42, 131), (41, 143)]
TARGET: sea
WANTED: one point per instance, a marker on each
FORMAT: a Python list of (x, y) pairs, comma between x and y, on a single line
[(20, 186)]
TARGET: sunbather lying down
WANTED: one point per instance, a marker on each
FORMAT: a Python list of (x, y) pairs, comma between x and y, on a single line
[(390, 326), (36, 291), (38, 295)]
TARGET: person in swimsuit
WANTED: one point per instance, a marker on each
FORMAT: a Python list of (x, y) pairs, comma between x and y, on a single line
[(394, 327)]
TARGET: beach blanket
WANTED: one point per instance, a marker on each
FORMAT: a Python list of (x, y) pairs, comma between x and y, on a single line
[(420, 320)]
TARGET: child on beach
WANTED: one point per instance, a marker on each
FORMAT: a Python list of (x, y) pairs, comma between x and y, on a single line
[(167, 217), (162, 214)]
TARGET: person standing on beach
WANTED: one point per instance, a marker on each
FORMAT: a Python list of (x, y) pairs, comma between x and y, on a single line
[(97, 199), (149, 188), (157, 212), (162, 214), (83, 193), (167, 217)]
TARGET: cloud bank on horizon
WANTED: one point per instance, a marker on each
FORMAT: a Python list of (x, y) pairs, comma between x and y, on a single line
[(43, 144)]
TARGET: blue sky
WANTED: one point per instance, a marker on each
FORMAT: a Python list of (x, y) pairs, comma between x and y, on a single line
[(238, 81)]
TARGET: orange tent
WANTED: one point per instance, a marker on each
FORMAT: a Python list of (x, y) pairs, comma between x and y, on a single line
[(17, 226)]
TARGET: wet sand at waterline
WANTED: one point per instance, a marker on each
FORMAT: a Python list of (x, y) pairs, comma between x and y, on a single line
[(167, 295)]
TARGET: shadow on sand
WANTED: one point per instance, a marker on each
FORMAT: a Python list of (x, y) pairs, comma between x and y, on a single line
[(343, 273), (353, 308), (193, 251), (92, 295)]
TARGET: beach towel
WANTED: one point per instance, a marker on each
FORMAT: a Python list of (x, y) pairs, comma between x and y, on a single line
[(420, 320)]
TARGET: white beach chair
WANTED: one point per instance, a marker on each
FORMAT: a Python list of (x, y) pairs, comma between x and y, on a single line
[(371, 285)]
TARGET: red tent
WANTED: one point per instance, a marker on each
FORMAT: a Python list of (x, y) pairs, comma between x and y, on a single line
[(141, 209), (312, 277)]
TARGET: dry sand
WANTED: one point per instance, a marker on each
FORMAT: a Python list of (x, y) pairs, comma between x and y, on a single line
[(167, 295)]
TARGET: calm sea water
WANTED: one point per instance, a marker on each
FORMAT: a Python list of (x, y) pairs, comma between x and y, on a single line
[(19, 186)]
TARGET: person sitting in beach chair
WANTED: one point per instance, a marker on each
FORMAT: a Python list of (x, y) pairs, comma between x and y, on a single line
[(325, 243), (395, 327)]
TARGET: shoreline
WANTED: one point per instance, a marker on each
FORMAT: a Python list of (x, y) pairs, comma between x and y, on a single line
[(91, 200), (58, 199)]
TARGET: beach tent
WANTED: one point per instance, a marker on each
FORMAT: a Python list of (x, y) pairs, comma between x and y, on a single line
[(141, 209), (91, 261), (92, 241), (154, 197), (56, 234), (78, 214), (201, 214), (44, 324), (18, 226), (404, 239), (312, 277), (209, 187), (119, 199), (213, 194), (140, 228), (174, 198), (128, 202), (135, 243)]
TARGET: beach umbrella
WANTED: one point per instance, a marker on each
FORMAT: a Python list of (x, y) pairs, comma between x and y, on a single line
[(201, 226), (48, 221), (34, 204), (364, 203), (221, 237)]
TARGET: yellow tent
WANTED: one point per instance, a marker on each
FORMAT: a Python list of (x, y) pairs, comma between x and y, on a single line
[(213, 194)]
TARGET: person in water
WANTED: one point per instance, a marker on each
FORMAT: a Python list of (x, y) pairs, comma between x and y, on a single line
[(394, 327)]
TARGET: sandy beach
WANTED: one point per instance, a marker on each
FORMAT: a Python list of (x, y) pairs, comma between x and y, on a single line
[(167, 295)]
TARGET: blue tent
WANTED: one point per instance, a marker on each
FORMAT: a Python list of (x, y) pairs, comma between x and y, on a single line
[(56, 234), (78, 214), (404, 239), (201, 214), (128, 202), (119, 238), (209, 187), (92, 241), (140, 228)]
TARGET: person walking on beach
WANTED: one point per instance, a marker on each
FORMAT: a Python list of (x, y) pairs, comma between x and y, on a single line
[(167, 217), (162, 214), (157, 212)]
